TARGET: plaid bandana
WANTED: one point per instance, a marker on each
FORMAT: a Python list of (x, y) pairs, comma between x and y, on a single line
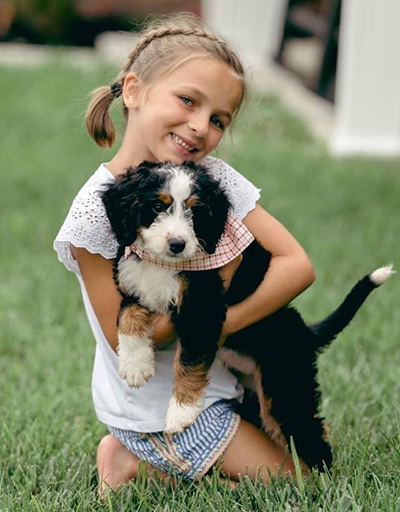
[(235, 239)]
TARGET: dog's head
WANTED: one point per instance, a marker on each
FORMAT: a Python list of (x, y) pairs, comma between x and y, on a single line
[(169, 210)]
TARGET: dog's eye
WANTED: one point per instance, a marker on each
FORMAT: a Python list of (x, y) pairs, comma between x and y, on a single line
[(158, 208)]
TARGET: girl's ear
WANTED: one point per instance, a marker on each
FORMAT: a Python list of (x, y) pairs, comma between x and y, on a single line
[(131, 91)]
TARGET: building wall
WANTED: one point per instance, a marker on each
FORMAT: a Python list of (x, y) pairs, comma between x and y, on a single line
[(368, 80), (253, 27)]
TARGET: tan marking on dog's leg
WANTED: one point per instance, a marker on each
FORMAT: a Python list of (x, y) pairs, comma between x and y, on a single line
[(327, 431), (134, 320), (135, 346), (188, 397), (248, 367), (270, 425), (184, 286)]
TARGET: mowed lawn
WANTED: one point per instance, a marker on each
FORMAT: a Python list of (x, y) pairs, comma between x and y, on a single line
[(344, 212)]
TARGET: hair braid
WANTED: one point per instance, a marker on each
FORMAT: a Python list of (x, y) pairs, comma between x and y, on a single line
[(162, 32)]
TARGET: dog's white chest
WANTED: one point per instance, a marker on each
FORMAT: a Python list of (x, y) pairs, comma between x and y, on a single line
[(157, 288)]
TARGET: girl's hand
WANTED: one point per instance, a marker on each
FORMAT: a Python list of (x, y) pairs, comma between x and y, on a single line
[(290, 272), (164, 331)]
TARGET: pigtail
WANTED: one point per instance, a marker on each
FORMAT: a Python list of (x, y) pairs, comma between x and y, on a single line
[(98, 119)]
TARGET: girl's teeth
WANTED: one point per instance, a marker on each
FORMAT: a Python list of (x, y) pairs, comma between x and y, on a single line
[(182, 143)]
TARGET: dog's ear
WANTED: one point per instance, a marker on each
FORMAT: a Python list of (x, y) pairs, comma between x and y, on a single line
[(121, 201), (210, 212)]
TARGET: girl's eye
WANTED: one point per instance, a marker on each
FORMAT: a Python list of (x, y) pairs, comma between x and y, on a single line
[(158, 208), (187, 101), (218, 123)]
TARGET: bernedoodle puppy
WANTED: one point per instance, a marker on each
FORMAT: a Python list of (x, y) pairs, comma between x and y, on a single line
[(168, 219)]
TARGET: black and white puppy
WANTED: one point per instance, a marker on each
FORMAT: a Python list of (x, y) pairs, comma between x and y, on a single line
[(171, 211)]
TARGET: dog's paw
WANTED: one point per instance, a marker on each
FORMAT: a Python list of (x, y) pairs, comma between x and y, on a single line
[(136, 377), (181, 416), (136, 362)]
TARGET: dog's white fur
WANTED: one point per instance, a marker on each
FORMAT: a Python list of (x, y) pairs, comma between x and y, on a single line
[(381, 275), (136, 359), (181, 416), (157, 287)]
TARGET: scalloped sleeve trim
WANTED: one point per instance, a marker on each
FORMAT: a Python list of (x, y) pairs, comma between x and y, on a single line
[(241, 192), (87, 225)]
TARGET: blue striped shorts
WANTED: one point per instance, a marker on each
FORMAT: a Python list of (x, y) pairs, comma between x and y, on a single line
[(191, 453)]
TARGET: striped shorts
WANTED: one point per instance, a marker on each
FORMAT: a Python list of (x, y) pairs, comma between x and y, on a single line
[(191, 453)]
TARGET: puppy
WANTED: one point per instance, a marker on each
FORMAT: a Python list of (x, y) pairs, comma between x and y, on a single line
[(171, 213)]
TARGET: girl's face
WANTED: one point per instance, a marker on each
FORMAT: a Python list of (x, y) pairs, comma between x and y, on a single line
[(184, 115)]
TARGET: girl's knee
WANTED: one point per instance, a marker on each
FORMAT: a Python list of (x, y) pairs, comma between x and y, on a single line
[(254, 454), (109, 450)]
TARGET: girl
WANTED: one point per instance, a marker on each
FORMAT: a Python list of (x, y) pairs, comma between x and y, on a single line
[(181, 87)]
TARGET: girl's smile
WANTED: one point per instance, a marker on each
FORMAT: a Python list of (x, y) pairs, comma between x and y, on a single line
[(185, 146), (182, 116)]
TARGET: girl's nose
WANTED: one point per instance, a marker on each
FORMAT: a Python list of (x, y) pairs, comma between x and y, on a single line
[(199, 123)]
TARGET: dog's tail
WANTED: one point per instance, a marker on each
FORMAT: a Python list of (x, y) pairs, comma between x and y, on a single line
[(326, 330)]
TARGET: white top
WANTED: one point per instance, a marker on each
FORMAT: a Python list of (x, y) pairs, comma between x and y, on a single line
[(87, 226)]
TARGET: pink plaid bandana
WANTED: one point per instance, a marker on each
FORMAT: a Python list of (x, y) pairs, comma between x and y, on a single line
[(235, 239)]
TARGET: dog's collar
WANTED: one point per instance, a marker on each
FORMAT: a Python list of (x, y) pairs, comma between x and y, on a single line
[(235, 239)]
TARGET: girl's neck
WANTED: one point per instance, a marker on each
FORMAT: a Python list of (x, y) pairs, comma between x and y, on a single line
[(125, 157)]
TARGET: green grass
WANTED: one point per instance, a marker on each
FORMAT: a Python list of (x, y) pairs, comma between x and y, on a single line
[(345, 213)]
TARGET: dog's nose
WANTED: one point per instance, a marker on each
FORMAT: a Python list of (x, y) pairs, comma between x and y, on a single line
[(176, 245)]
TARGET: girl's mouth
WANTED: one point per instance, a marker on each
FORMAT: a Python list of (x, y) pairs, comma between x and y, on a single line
[(191, 148)]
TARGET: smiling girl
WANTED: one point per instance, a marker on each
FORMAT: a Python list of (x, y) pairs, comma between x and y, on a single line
[(181, 87)]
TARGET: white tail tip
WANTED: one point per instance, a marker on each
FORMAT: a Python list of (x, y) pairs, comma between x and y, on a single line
[(381, 275)]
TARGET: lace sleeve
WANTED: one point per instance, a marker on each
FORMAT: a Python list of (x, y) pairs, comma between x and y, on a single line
[(242, 193), (86, 226)]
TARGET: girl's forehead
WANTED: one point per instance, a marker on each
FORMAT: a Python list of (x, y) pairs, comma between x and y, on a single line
[(207, 77), (202, 67)]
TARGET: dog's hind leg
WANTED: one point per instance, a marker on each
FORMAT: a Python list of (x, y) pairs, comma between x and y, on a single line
[(135, 346)]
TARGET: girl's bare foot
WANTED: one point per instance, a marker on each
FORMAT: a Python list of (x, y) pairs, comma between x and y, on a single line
[(116, 465)]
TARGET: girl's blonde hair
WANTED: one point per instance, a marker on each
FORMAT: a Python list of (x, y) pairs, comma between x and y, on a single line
[(163, 45)]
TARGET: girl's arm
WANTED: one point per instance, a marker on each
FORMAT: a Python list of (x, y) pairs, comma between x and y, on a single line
[(97, 274), (290, 273)]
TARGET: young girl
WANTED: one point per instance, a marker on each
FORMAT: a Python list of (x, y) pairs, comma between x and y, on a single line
[(181, 87)]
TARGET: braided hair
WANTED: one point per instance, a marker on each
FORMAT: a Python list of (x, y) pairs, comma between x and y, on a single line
[(163, 45)]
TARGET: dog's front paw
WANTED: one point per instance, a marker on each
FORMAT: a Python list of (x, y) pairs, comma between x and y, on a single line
[(136, 361), (181, 416), (135, 377)]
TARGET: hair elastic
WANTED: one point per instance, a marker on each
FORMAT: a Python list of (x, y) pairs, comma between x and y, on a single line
[(116, 89)]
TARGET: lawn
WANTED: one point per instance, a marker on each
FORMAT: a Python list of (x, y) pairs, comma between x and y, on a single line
[(345, 213)]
